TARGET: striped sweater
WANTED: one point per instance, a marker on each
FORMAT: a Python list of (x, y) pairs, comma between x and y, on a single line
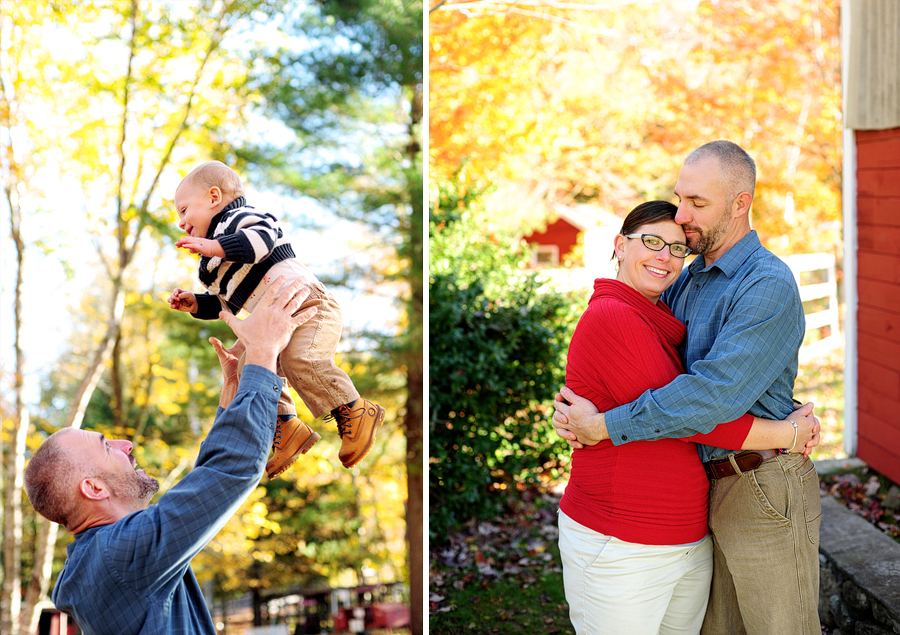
[(253, 243)]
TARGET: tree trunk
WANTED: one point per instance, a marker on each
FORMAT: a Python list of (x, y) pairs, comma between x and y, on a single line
[(115, 382), (15, 466), (257, 604), (415, 489), (355, 512), (12, 548), (415, 516), (95, 370), (40, 575), (144, 412)]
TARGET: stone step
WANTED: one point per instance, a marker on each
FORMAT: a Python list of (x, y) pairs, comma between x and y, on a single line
[(860, 573)]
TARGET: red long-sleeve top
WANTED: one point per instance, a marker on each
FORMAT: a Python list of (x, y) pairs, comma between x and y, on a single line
[(648, 492)]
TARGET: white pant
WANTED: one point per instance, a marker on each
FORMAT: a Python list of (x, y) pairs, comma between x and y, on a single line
[(615, 587)]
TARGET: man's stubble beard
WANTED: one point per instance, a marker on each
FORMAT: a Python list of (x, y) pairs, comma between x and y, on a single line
[(706, 242), (139, 487)]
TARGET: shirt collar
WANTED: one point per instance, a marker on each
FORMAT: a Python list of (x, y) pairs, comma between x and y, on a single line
[(90, 531), (235, 204), (729, 262)]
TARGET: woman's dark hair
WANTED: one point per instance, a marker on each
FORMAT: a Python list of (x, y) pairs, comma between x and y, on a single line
[(646, 214)]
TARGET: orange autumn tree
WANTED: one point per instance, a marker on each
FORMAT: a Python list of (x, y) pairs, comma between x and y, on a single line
[(560, 102), (766, 75), (540, 105)]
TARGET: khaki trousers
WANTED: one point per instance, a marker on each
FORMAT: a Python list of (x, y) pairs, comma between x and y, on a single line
[(765, 527), (307, 363)]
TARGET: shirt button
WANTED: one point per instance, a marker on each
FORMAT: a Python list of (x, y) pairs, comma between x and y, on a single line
[(624, 437), (657, 432), (697, 286)]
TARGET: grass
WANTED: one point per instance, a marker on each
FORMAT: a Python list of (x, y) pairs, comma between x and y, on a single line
[(504, 607), (821, 381), (502, 576)]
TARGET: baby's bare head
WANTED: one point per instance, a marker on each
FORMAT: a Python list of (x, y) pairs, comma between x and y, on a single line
[(215, 174)]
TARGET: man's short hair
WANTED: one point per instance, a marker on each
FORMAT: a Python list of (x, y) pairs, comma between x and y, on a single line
[(217, 173), (738, 168), (51, 480)]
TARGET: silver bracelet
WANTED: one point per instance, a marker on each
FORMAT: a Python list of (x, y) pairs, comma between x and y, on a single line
[(795, 436)]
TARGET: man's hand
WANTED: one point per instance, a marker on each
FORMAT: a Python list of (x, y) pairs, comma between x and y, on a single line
[(229, 363), (227, 360), (202, 246), (237, 349), (182, 300), (269, 328), (577, 420)]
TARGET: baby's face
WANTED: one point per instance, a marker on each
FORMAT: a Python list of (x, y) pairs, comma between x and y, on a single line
[(195, 208)]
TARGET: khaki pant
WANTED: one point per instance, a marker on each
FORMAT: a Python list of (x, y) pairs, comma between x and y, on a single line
[(307, 363), (765, 526)]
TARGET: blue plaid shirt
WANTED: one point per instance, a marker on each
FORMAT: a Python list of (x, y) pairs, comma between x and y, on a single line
[(134, 576), (745, 326)]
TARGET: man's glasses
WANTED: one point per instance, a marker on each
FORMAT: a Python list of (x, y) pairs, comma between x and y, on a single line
[(679, 250)]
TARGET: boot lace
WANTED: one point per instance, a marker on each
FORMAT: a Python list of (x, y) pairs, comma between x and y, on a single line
[(345, 417), (278, 431)]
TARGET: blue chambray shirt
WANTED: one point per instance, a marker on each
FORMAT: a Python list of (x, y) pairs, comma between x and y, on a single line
[(744, 329), (134, 576)]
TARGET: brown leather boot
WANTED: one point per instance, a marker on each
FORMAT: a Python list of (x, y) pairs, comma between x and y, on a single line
[(292, 438), (356, 423)]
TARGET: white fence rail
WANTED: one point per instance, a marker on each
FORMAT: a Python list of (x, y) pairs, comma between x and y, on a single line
[(824, 288)]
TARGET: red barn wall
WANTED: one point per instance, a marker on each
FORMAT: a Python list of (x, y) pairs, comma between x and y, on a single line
[(559, 232), (878, 285)]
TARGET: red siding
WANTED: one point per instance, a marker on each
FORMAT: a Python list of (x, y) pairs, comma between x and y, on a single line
[(559, 232), (878, 182), (878, 284), (884, 381), (882, 324), (880, 266)]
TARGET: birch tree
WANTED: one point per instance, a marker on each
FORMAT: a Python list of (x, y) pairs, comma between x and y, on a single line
[(19, 158)]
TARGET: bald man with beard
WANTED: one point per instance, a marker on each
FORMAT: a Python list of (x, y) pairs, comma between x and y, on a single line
[(128, 569)]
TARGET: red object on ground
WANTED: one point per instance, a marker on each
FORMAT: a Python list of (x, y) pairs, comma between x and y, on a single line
[(390, 615)]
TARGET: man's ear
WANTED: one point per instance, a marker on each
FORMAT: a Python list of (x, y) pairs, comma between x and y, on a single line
[(741, 204), (215, 195), (93, 488)]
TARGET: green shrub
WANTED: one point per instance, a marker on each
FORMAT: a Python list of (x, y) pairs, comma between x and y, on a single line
[(498, 340)]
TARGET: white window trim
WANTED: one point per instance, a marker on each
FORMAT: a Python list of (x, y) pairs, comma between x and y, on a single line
[(552, 250)]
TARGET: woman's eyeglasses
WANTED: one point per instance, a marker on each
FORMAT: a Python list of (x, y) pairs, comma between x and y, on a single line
[(679, 250)]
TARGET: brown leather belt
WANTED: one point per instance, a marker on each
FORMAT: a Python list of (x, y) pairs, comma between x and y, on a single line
[(746, 460)]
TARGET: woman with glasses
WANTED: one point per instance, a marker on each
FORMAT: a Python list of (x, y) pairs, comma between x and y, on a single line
[(633, 535)]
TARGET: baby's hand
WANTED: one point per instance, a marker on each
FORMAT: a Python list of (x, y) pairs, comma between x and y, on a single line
[(182, 300), (202, 246)]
